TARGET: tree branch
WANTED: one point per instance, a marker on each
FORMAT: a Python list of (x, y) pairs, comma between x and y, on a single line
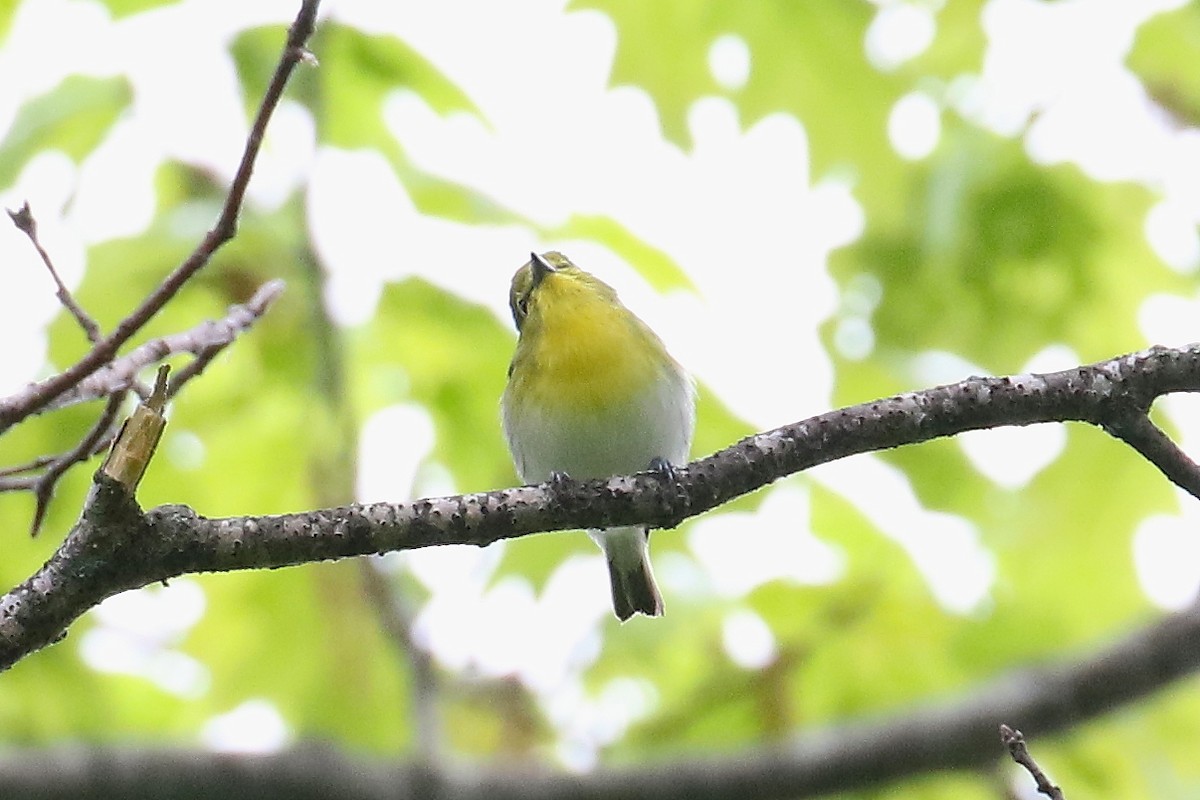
[(1140, 433), (39, 395), (115, 546)]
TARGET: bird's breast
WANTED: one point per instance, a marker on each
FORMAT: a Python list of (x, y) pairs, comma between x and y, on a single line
[(594, 400), (589, 362)]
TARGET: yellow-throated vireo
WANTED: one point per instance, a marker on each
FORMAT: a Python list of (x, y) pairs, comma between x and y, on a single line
[(592, 393)]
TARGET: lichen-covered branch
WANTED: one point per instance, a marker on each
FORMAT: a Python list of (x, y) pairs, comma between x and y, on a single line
[(115, 546)]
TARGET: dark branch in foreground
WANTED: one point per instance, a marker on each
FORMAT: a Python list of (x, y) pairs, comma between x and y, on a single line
[(956, 733), (115, 546), (39, 395)]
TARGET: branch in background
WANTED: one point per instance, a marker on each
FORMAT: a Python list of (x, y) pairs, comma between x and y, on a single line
[(334, 470), (23, 219), (20, 469), (39, 395), (396, 616), (956, 733), (1014, 740)]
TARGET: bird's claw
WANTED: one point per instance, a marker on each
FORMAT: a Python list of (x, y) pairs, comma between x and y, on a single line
[(560, 482), (674, 502), (665, 470)]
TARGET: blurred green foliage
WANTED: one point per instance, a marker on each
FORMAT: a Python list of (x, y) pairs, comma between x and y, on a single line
[(978, 251), (72, 118)]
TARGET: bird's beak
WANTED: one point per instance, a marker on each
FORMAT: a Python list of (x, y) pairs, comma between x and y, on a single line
[(541, 267)]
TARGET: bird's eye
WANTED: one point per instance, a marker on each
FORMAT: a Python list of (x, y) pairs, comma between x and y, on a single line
[(523, 305)]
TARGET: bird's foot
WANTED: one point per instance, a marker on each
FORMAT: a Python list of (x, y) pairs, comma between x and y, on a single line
[(674, 500), (560, 481), (665, 470)]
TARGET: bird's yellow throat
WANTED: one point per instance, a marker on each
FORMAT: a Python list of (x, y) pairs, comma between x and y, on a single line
[(580, 348)]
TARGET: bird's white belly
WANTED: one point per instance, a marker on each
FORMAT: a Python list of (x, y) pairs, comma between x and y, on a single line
[(616, 440)]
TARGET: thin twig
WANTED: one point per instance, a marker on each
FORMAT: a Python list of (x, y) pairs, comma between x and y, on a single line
[(238, 319), (39, 395), (1139, 432), (23, 219), (21, 469), (1014, 740), (102, 429), (204, 341), (14, 479)]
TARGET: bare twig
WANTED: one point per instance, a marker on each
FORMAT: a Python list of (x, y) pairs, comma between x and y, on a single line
[(238, 319), (25, 222), (8, 473), (37, 396), (96, 440), (1014, 740), (101, 431), (204, 341), (1139, 432)]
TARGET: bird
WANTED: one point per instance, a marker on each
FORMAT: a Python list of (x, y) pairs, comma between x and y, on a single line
[(592, 392)]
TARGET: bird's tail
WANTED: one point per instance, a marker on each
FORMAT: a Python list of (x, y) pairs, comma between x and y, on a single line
[(633, 588)]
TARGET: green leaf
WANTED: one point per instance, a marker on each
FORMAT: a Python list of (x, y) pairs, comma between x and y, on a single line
[(127, 8), (73, 117), (346, 94), (657, 267), (1163, 52), (358, 73), (995, 257), (343, 679), (8, 10), (454, 359), (806, 60)]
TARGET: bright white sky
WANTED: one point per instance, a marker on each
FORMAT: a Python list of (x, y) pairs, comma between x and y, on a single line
[(739, 198)]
